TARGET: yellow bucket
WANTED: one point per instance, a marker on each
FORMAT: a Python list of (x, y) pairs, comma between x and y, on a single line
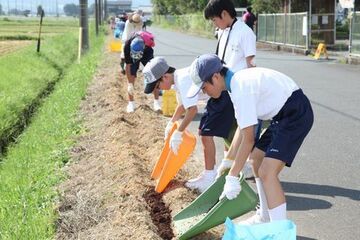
[(169, 102), (115, 46)]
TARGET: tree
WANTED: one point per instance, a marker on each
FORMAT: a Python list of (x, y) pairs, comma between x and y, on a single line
[(14, 11), (241, 3), (71, 9), (267, 6), (26, 13), (39, 10), (178, 7)]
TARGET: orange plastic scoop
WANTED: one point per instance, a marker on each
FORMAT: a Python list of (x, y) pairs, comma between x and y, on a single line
[(168, 163)]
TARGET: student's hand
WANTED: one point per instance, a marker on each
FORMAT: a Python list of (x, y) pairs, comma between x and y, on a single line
[(232, 188), (168, 129), (175, 141), (225, 165)]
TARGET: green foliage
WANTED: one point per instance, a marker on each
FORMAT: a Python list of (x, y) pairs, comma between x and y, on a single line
[(342, 30), (191, 23), (32, 168), (17, 37), (267, 6), (27, 75), (39, 10), (241, 3), (178, 7), (71, 9)]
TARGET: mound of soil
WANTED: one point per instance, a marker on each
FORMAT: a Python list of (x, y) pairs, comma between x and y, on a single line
[(108, 193)]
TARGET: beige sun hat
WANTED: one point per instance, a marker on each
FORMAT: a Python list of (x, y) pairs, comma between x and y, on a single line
[(136, 19)]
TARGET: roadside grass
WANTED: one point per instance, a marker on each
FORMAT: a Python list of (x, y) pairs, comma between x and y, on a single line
[(32, 167), (26, 76), (194, 24)]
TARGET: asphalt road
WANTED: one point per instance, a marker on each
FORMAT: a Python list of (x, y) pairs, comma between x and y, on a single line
[(323, 185)]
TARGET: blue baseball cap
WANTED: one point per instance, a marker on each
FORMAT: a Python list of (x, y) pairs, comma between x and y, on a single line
[(202, 70), (137, 47)]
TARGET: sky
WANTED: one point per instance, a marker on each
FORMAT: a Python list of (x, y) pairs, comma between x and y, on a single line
[(50, 5)]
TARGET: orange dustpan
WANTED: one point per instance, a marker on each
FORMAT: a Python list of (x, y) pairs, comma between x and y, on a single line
[(164, 153), (169, 164)]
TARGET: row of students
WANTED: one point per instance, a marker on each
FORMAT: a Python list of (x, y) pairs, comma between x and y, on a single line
[(137, 48), (250, 94)]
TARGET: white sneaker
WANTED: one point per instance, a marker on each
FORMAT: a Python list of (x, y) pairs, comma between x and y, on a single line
[(203, 181), (256, 219), (130, 107), (247, 170), (156, 105)]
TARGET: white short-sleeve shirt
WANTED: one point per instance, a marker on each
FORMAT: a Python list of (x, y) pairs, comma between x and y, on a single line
[(129, 30), (259, 93), (183, 82), (241, 44)]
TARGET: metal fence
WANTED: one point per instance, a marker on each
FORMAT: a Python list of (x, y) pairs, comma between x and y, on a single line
[(284, 28), (355, 35)]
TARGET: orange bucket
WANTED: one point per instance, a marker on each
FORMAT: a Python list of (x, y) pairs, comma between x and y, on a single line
[(169, 164)]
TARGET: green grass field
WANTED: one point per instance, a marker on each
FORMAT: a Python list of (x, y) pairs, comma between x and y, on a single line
[(14, 28), (27, 75), (30, 169)]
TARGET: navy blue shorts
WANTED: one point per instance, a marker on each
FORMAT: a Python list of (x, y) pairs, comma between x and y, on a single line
[(288, 129), (218, 117), (148, 55)]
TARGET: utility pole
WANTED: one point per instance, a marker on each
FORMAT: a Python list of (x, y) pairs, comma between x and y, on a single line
[(84, 24), (57, 9), (40, 25), (97, 17), (105, 10), (100, 12)]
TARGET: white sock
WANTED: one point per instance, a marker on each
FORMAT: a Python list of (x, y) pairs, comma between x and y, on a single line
[(278, 213), (210, 173), (225, 153), (264, 209)]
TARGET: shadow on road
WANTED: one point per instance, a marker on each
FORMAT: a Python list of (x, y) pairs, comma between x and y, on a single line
[(304, 238), (324, 190), (296, 203)]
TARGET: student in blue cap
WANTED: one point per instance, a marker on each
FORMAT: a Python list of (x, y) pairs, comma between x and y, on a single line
[(265, 94), (138, 49)]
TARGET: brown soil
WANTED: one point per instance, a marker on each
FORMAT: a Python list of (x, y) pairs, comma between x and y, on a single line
[(108, 193), (7, 47)]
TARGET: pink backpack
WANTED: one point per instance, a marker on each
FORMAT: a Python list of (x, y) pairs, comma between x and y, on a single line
[(148, 38)]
